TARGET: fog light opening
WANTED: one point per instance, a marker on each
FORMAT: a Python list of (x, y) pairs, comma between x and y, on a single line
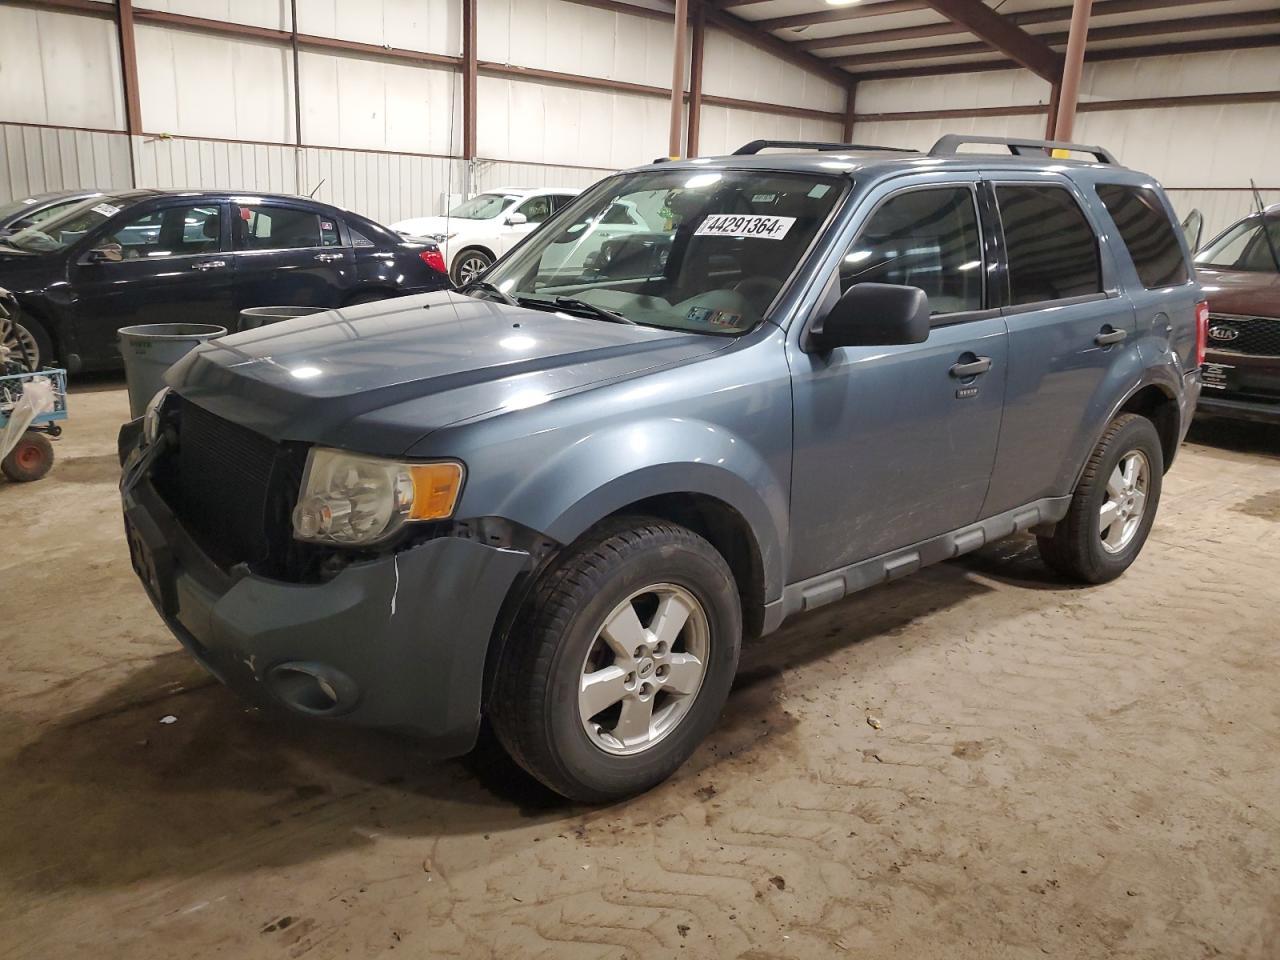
[(313, 689)]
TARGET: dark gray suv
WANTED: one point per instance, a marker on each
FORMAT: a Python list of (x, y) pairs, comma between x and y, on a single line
[(560, 497)]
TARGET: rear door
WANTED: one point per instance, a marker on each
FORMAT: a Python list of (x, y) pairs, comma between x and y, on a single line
[(895, 445), (170, 266), (289, 255), (1071, 336)]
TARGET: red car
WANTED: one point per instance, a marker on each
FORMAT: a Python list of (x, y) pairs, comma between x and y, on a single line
[(1241, 276)]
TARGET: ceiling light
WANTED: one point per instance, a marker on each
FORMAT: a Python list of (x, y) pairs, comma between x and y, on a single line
[(842, 3)]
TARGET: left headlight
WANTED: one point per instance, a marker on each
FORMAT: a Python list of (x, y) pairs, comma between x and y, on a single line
[(151, 418), (354, 500)]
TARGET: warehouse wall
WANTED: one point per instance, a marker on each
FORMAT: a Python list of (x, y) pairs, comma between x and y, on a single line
[(1204, 155), (383, 136)]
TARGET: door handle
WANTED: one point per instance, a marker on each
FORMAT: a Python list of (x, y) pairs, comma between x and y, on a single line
[(1108, 336), (973, 368), (208, 265), (326, 257)]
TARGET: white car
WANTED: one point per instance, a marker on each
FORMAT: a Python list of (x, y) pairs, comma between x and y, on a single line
[(480, 230)]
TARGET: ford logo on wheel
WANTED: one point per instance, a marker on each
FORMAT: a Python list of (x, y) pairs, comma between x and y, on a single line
[(1223, 333)]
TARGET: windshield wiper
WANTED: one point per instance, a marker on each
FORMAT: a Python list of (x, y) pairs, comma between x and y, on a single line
[(598, 312), (488, 287)]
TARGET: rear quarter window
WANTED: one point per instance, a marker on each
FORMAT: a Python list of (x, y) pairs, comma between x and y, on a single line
[(1148, 233)]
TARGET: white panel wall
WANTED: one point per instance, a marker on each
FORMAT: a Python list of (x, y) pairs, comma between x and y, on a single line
[(725, 129), (353, 102), (520, 120), (59, 68), (495, 174), (1204, 155), (732, 68), (198, 84), (571, 38), (273, 14), (40, 160), (433, 26)]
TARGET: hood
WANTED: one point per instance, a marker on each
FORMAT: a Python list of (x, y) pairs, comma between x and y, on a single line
[(1249, 293), (436, 226), (380, 376)]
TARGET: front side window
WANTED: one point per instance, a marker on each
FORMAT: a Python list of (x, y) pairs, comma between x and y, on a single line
[(711, 250), (168, 232), (485, 206), (58, 233), (1053, 253), (1243, 247), (269, 227), (1148, 233), (536, 210), (927, 238)]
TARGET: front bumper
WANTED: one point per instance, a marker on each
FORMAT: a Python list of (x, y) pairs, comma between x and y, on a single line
[(1234, 408), (1241, 386), (398, 642)]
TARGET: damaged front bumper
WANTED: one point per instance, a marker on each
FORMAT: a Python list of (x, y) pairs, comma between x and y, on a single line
[(396, 642)]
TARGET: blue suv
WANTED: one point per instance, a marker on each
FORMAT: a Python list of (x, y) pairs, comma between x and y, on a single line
[(560, 496)]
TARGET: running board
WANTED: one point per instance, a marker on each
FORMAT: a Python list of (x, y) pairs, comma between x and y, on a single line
[(835, 585)]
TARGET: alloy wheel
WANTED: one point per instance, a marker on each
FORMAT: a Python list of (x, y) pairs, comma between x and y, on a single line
[(21, 342), (1121, 513), (644, 668), (470, 268)]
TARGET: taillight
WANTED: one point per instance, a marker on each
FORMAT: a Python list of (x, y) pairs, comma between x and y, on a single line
[(1202, 330), (434, 259)]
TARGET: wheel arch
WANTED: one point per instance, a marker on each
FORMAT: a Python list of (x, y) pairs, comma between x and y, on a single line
[(1158, 404)]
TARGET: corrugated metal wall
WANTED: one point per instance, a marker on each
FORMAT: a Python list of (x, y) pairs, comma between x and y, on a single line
[(219, 110), (1204, 155)]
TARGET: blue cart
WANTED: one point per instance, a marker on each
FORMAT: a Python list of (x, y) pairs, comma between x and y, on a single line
[(32, 456)]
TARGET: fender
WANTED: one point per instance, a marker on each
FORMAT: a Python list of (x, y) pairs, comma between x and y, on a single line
[(1170, 385), (624, 463)]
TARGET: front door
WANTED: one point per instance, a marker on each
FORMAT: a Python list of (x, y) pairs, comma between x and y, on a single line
[(289, 256), (894, 445), (168, 265), (534, 211)]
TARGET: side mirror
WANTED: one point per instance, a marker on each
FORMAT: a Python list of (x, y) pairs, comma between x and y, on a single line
[(515, 219), (874, 315), (107, 253)]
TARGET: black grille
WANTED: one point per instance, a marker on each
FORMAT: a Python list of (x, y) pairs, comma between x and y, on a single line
[(1255, 335), (233, 489)]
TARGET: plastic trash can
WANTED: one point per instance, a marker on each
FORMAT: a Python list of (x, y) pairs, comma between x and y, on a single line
[(253, 317), (152, 348)]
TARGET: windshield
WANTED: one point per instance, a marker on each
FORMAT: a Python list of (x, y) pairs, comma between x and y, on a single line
[(58, 233), (1243, 247), (702, 251), (485, 206)]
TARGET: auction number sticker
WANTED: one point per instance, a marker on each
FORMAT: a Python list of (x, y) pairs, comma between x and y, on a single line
[(106, 209), (745, 225)]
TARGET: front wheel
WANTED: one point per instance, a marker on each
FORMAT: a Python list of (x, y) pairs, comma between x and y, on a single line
[(468, 265), (621, 661), (1113, 506), (27, 341)]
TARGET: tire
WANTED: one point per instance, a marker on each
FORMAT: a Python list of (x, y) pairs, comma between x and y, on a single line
[(537, 705), (1081, 546), (468, 265), (25, 330), (30, 459)]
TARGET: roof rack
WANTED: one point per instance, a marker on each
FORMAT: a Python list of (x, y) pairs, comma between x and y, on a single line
[(950, 144), (755, 146)]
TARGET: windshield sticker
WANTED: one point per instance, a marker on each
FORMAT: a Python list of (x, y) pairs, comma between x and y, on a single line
[(714, 318), (106, 209), (745, 225), (29, 200), (819, 190)]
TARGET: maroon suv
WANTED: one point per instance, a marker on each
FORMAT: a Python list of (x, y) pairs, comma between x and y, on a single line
[(1241, 277)]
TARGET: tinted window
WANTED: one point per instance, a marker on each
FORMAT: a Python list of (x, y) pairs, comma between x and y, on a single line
[(1052, 251), (922, 238), (329, 233), (169, 232), (278, 228), (1243, 246), (358, 239), (1148, 233)]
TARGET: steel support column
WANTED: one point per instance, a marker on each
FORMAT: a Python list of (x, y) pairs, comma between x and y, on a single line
[(677, 79), (697, 45), (1072, 68)]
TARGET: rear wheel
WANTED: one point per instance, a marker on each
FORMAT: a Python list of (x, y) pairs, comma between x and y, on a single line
[(1114, 504), (621, 661), (30, 459), (468, 265)]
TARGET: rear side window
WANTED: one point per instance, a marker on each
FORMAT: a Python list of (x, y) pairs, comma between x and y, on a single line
[(1053, 253), (1148, 233), (926, 238), (279, 228)]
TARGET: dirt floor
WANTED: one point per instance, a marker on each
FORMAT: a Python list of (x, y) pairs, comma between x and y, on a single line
[(977, 762)]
